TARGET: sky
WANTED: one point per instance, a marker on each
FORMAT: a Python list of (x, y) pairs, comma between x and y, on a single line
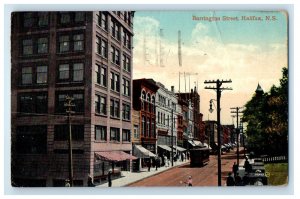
[(226, 47)]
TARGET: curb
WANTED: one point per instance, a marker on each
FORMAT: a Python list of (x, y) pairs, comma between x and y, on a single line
[(154, 174)]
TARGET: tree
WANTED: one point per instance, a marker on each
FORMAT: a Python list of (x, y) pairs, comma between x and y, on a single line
[(267, 117)]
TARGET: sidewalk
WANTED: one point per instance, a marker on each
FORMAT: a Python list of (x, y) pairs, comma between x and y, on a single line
[(131, 177)]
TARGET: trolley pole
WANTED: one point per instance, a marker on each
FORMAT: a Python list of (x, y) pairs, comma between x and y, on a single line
[(172, 156), (69, 111), (219, 90)]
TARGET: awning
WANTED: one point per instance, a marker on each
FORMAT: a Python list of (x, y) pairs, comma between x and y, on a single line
[(198, 143), (179, 148), (141, 152), (115, 156), (206, 145), (191, 142), (165, 147)]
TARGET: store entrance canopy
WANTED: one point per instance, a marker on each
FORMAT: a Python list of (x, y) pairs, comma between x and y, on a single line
[(141, 152), (114, 156), (179, 148), (165, 147)]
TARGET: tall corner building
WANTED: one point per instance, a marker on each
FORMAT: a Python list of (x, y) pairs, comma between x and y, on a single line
[(88, 57)]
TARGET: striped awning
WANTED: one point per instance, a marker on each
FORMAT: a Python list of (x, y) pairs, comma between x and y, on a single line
[(179, 148), (114, 156), (165, 147), (141, 152)]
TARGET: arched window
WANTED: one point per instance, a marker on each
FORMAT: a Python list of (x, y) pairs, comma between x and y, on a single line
[(143, 100), (149, 102), (153, 104)]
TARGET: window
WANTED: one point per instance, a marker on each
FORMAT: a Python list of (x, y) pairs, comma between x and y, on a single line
[(153, 129), (153, 104), (126, 87), (78, 101), (64, 43), (115, 29), (71, 72), (114, 108), (33, 103), (64, 71), (101, 46), (148, 127), (28, 20), (115, 55), (101, 75), (78, 72), (71, 18), (102, 20), (79, 16), (100, 104), (158, 117), (143, 126), (31, 139), (26, 75), (27, 47), (126, 111), (41, 74), (43, 45), (100, 133), (61, 132), (126, 39), (136, 132), (71, 42), (126, 63), (43, 18), (65, 18), (126, 135), (114, 82), (114, 134), (78, 42)]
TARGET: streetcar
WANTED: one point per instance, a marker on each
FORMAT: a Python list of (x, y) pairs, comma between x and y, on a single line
[(199, 157)]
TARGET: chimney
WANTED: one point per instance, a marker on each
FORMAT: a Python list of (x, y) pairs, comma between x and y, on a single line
[(172, 89)]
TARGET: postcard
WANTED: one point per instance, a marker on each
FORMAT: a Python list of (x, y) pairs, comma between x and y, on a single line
[(149, 98)]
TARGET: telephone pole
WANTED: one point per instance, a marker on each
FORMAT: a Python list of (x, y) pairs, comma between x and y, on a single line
[(172, 157), (69, 111), (237, 111), (219, 90)]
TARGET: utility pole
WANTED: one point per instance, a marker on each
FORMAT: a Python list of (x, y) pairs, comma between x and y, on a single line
[(172, 157), (219, 90), (69, 111), (237, 111)]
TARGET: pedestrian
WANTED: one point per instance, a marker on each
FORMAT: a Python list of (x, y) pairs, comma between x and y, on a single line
[(90, 181), (230, 180), (109, 179), (149, 164), (188, 155), (247, 165), (189, 181), (156, 163), (238, 180), (181, 157), (235, 168), (166, 161), (67, 183)]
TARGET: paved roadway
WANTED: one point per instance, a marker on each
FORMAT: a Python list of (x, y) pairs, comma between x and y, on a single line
[(202, 176)]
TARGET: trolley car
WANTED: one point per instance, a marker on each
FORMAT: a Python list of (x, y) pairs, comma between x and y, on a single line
[(199, 156)]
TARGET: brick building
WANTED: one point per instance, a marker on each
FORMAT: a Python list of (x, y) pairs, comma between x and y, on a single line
[(144, 123), (84, 55)]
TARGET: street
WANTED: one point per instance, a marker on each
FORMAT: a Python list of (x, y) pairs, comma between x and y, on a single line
[(202, 176)]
